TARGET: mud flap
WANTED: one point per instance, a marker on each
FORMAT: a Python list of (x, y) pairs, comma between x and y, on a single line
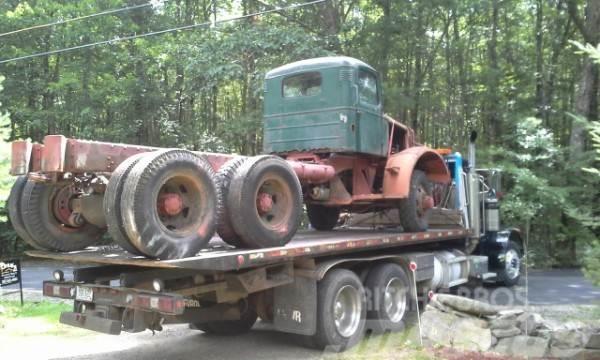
[(94, 323), (295, 307)]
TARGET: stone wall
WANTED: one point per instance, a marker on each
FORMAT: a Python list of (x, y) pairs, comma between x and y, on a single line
[(468, 324)]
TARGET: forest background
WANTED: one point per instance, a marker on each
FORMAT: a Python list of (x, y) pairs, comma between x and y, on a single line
[(518, 71)]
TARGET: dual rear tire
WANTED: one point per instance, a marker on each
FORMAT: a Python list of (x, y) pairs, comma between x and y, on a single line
[(162, 204), (348, 307), (168, 204)]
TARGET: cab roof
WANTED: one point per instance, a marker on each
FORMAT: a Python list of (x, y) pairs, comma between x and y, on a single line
[(316, 64)]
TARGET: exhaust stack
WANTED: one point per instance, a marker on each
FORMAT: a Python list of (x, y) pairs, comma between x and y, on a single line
[(473, 186)]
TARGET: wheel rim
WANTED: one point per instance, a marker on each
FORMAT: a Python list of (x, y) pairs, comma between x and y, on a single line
[(394, 300), (347, 309), (274, 204), (512, 263), (60, 203), (179, 204)]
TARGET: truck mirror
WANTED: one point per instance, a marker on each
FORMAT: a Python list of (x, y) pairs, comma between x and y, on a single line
[(473, 136)]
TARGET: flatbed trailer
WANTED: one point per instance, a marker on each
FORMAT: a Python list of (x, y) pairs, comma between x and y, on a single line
[(223, 290), (220, 256)]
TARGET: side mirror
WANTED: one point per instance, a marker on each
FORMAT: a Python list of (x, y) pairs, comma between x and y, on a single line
[(473, 136)]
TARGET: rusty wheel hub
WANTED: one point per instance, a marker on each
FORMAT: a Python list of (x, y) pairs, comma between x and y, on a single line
[(170, 204), (62, 207)]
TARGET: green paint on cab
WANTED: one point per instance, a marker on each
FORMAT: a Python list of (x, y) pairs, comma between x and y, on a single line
[(329, 104)]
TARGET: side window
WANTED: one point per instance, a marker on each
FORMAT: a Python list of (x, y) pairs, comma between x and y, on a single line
[(367, 88), (306, 84)]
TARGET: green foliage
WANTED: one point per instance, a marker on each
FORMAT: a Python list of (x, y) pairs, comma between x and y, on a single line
[(501, 67), (538, 196)]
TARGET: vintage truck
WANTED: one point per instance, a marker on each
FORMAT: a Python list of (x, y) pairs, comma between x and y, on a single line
[(328, 148)]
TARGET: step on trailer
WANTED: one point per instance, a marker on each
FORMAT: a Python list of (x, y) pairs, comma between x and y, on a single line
[(329, 149)]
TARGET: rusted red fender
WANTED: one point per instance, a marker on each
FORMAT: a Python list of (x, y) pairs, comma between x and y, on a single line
[(400, 166)]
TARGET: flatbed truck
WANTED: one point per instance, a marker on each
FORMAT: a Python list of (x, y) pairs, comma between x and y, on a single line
[(432, 220)]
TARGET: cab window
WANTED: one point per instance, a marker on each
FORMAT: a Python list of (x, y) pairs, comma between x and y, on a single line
[(367, 88), (306, 84)]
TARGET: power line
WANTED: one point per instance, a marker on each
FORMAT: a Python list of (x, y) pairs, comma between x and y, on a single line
[(60, 22), (160, 32)]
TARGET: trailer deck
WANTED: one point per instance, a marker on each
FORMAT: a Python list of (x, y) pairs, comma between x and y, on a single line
[(222, 257)]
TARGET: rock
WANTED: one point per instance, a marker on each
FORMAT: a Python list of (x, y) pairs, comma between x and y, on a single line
[(450, 330), (574, 354), (437, 326), (441, 307), (569, 338), (469, 335), (522, 345), (529, 322), (593, 342), (504, 333), (510, 312), (501, 323), (494, 341), (466, 305)]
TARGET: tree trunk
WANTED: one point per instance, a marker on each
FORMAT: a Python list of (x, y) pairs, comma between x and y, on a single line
[(586, 104)]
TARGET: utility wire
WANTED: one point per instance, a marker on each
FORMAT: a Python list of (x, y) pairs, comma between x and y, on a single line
[(60, 22), (160, 32)]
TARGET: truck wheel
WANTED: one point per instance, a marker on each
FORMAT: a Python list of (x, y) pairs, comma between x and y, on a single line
[(47, 216), (271, 185), (341, 311), (16, 216), (322, 217), (231, 327), (511, 273), (415, 209), (389, 291), (224, 226), (112, 203), (169, 204)]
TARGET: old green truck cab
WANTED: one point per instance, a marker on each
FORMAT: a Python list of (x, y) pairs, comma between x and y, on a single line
[(323, 105)]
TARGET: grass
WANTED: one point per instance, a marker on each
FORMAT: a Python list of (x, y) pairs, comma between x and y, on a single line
[(34, 319)]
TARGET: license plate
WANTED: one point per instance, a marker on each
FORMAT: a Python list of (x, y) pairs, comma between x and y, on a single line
[(84, 294)]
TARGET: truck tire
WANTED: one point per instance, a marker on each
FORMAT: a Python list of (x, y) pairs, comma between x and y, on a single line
[(247, 319), (37, 203), (224, 227), (15, 214), (112, 203), (271, 184), (413, 213), (169, 204), (388, 287), (322, 217), (341, 311), (511, 273)]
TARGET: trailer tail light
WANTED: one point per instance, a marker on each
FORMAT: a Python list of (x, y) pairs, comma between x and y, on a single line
[(58, 290), (163, 304)]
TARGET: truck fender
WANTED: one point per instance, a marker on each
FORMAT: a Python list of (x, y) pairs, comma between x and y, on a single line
[(400, 166)]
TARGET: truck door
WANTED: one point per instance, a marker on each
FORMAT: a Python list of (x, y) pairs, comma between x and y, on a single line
[(372, 134)]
